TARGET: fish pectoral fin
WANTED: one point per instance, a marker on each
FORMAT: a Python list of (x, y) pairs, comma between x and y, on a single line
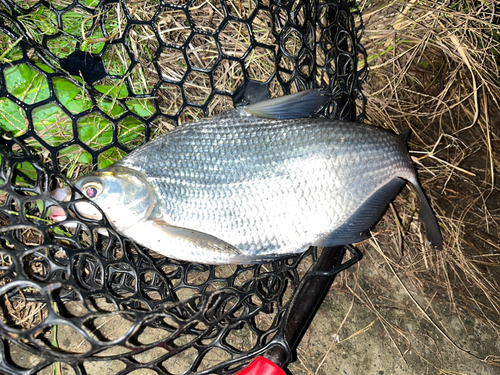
[(193, 238), (300, 105)]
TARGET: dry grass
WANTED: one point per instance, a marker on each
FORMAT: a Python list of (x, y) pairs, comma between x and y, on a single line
[(434, 68)]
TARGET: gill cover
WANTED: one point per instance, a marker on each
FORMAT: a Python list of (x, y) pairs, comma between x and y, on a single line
[(122, 194)]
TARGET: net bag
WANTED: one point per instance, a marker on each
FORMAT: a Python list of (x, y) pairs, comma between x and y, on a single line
[(83, 83)]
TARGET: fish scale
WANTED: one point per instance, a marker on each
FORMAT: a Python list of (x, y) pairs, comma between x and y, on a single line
[(267, 180), (255, 183)]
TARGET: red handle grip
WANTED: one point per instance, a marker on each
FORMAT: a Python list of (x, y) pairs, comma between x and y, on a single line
[(261, 366)]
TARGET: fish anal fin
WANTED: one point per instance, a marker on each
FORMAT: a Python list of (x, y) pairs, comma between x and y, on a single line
[(300, 105), (264, 256), (356, 228)]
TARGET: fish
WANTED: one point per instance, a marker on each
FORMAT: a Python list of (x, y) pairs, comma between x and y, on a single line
[(254, 184)]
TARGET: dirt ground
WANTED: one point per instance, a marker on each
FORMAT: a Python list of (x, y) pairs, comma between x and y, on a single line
[(347, 337)]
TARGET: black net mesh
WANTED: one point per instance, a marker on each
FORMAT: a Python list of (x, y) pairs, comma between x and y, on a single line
[(84, 82)]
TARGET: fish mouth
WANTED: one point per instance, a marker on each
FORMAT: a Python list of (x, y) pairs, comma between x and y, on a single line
[(62, 195), (57, 214)]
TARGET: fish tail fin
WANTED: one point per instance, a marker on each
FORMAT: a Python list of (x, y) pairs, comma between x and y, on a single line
[(426, 215), (427, 218)]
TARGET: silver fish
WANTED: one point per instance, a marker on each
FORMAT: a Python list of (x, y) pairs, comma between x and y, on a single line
[(255, 183)]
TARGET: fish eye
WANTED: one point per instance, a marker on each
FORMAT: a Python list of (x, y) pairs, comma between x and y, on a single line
[(92, 189)]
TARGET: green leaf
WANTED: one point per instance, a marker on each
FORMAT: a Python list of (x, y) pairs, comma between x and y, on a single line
[(119, 91), (110, 157), (26, 84), (95, 131), (12, 117), (111, 108), (71, 96), (141, 107), (28, 170)]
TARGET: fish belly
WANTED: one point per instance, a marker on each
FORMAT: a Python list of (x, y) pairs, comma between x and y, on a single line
[(269, 186)]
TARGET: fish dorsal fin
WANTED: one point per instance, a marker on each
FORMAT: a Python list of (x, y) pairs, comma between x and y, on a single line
[(356, 228), (300, 105)]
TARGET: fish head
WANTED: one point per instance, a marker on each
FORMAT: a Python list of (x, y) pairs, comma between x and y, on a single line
[(123, 194)]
